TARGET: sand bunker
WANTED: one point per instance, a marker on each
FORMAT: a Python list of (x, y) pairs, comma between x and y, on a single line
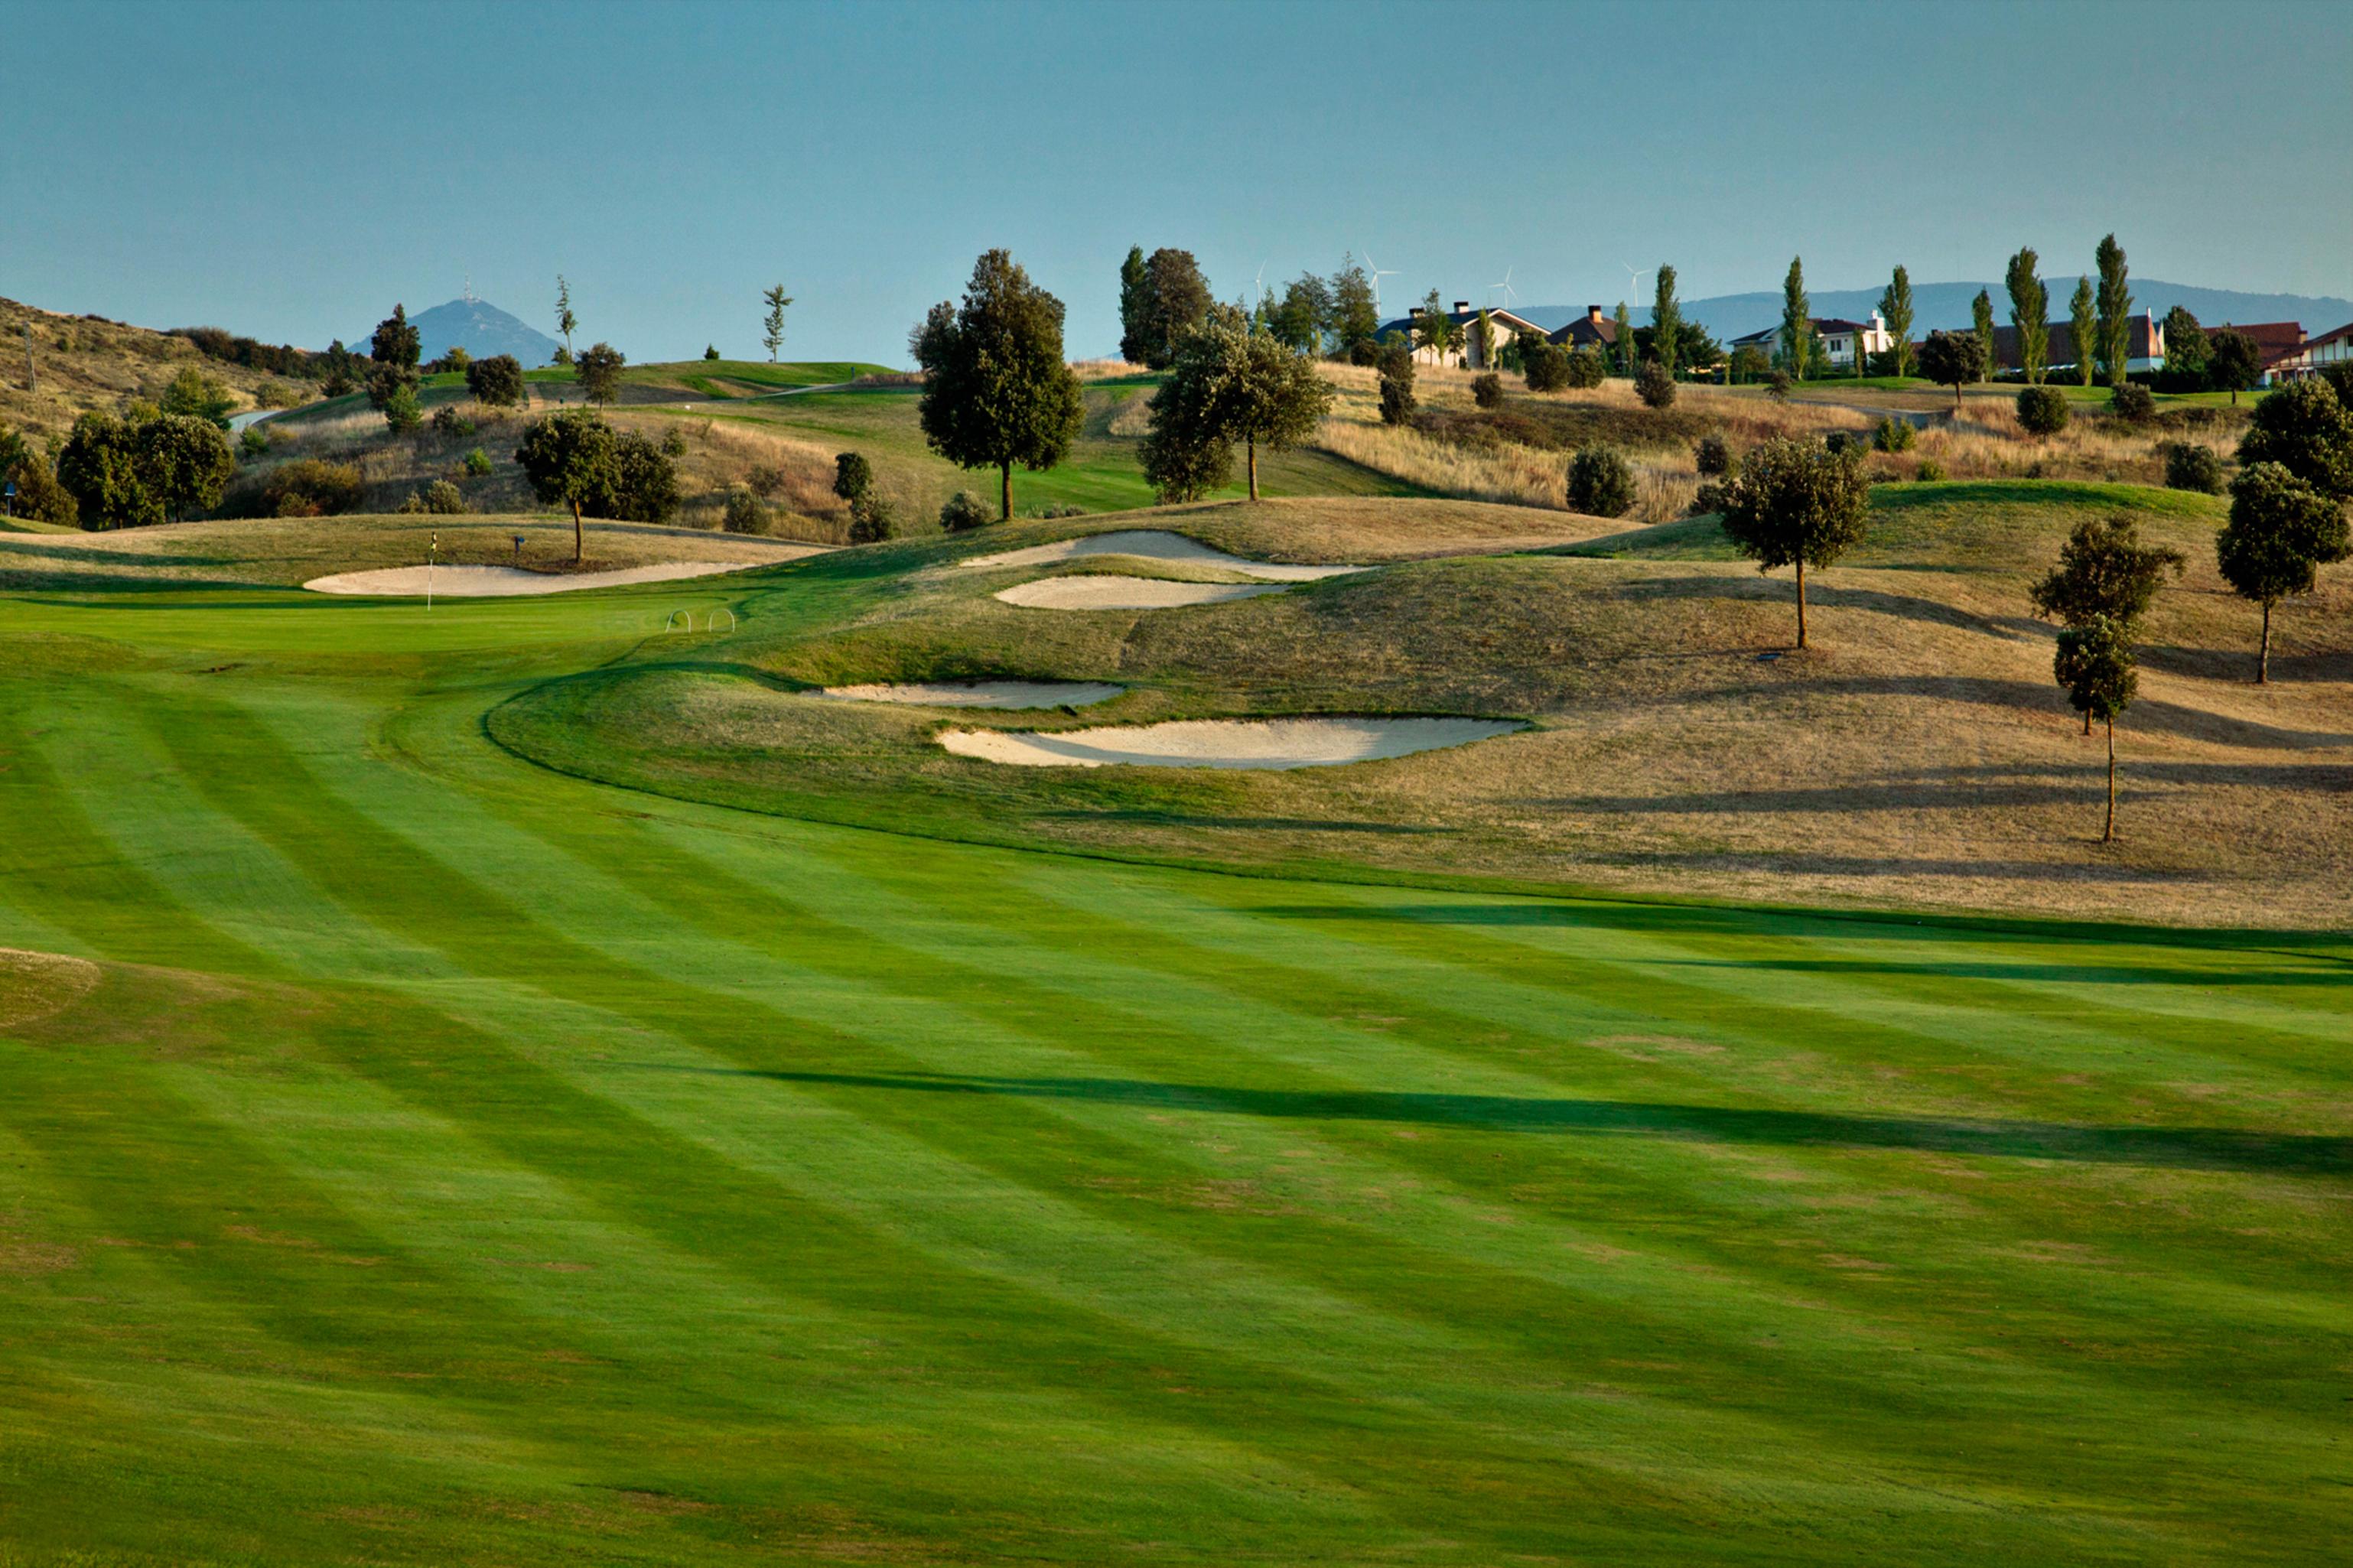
[(1225, 742), (1157, 545), (982, 693), (505, 582), (1127, 592)]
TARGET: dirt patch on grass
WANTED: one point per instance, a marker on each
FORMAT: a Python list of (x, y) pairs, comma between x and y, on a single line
[(37, 985)]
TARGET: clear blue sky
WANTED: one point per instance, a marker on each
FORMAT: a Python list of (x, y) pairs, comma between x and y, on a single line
[(289, 171)]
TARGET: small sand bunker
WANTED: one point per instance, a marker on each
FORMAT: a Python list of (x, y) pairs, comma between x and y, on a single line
[(1127, 592), (35, 984), (981, 693), (507, 582), (1157, 545), (1225, 742)]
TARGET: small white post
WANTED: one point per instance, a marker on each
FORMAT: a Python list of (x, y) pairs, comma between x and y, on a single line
[(432, 552)]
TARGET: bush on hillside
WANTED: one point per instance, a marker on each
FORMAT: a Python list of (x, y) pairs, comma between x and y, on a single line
[(1396, 400), (1931, 471), (2042, 410), (1843, 441), (252, 444), (1777, 384), (673, 442), (2191, 467), (1487, 391), (385, 381), (442, 499), (401, 414), (39, 494), (412, 505), (1588, 368), (449, 422), (2304, 429), (853, 477), (1654, 386), (599, 370), (1545, 365), (310, 488), (1601, 482), (457, 359), (1061, 510), (764, 481), (644, 484), (745, 514), (2133, 402), (710, 351), (964, 510), (1892, 434), (476, 464), (496, 381), (1712, 457), (870, 521)]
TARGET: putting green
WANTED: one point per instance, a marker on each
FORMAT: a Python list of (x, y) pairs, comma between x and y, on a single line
[(454, 1161)]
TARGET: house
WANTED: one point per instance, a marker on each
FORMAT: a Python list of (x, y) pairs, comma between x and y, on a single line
[(1591, 330), (2319, 353), (2279, 347), (1462, 335), (2143, 345), (1841, 338)]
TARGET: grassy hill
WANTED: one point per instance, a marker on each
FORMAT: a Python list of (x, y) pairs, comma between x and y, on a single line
[(86, 364), (418, 1151)]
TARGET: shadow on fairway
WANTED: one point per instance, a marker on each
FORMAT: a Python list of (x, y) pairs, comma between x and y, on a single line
[(2188, 1148)]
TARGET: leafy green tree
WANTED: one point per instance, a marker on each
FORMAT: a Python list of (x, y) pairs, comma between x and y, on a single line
[(2042, 410), (39, 494), (2186, 350), (1798, 503), (1228, 385), (2116, 303), (2304, 429), (1544, 364), (496, 381), (642, 486), (2094, 662), (2084, 327), (565, 320), (2234, 364), (386, 380), (1981, 323), (2282, 532), (996, 389), (1797, 319), (1434, 326), (1654, 386), (599, 370), (1666, 320), (100, 467), (2191, 467), (1896, 308), (1300, 317), (1482, 340), (710, 350), (185, 463), (1954, 360), (1749, 363), (394, 341), (771, 325), (2133, 402), (2105, 570), (1356, 314), (1600, 482), (1396, 364), (401, 412), (198, 397), (2029, 311), (569, 458), (1177, 298), (1135, 309)]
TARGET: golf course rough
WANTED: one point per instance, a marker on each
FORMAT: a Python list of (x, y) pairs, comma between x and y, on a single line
[(452, 1159)]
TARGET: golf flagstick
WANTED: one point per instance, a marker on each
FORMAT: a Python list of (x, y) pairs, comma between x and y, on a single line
[(432, 551)]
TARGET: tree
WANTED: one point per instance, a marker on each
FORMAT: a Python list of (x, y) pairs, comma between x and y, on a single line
[(1797, 319), (387, 381), (2094, 663), (1545, 363), (1981, 323), (394, 342), (1600, 482), (2187, 351), (1749, 363), (2304, 429), (2105, 570), (401, 412), (1227, 384), (1482, 340), (1134, 308), (996, 389), (565, 320), (1798, 503), (2083, 327), (1953, 359), (2116, 303), (2234, 364), (2042, 410), (1666, 321), (100, 467), (1895, 308), (1397, 380), (1654, 386), (599, 370), (1435, 327), (569, 457), (641, 484), (771, 325), (2282, 532), (497, 381), (1355, 313), (1176, 300), (1299, 316), (710, 350), (2029, 311), (198, 397)]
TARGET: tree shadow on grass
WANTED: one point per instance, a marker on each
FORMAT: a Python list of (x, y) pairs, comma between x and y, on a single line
[(2181, 1148)]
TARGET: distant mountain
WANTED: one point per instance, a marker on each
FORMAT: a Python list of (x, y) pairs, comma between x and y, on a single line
[(1946, 305), (481, 329)]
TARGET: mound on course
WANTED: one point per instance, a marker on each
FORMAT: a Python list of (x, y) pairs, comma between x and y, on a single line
[(980, 693), (507, 582), (1099, 592), (1160, 546), (1267, 743)]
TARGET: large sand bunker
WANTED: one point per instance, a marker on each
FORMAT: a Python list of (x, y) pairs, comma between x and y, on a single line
[(1127, 592), (1225, 742), (981, 693), (1157, 545), (507, 582)]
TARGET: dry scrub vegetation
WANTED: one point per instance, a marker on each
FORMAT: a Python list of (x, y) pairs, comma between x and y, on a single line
[(84, 364)]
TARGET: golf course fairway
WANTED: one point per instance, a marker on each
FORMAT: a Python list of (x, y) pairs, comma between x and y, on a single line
[(441, 1158)]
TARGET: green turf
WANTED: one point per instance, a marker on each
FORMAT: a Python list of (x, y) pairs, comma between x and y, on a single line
[(459, 1161)]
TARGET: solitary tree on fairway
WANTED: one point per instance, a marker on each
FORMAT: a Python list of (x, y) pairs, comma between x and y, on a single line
[(996, 389), (599, 369), (2116, 303), (2305, 429), (771, 325), (1981, 323), (569, 458), (1798, 503), (1952, 358), (565, 320), (1797, 320), (2105, 570), (1895, 308), (2029, 311), (1666, 319), (2282, 532), (2094, 663), (2233, 362), (2084, 326)]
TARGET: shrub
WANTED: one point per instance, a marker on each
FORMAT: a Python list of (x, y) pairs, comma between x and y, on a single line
[(1843, 441), (252, 444), (744, 513), (1712, 457), (401, 414), (39, 494), (644, 484), (673, 442), (496, 381), (447, 421), (1931, 471), (310, 488), (1063, 510), (386, 380), (964, 510), (1710, 497), (766, 482), (276, 394), (1892, 435), (853, 477), (413, 506), (1777, 384), (2133, 403), (1396, 400), (598, 369), (457, 359), (338, 384), (1545, 365), (870, 520), (476, 464), (2191, 467), (712, 351), (1601, 482), (1588, 368), (442, 499), (2042, 410), (1487, 391), (1653, 385), (2304, 429)]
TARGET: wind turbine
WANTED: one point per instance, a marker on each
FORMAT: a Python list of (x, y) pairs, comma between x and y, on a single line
[(1378, 272), (1511, 294), (1634, 277), (1261, 284)]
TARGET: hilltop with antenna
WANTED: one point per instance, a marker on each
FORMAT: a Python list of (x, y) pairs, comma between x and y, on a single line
[(478, 327)]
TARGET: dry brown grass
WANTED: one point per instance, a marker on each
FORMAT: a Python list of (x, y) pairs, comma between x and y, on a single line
[(85, 365), (1107, 369)]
